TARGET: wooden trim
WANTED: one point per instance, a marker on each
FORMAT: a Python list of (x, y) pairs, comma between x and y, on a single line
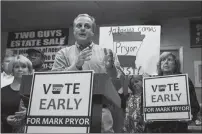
[(196, 73)]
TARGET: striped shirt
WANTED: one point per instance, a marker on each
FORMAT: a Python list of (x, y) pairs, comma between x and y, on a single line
[(67, 56)]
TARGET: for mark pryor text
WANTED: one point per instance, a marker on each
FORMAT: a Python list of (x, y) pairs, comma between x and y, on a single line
[(58, 121)]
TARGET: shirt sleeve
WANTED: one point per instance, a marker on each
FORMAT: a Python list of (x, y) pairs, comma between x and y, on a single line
[(119, 70), (116, 60), (61, 62)]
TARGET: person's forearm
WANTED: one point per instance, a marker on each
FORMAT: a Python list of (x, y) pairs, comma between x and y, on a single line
[(71, 68)]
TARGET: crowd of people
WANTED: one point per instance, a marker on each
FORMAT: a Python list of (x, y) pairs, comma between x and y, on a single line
[(86, 55)]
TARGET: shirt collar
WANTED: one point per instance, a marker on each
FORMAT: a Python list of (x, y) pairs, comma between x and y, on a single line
[(6, 75), (80, 47)]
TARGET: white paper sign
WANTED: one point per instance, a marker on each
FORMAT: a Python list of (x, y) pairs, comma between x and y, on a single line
[(60, 102), (140, 41), (166, 98)]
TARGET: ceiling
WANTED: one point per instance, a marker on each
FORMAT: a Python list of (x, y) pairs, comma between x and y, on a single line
[(18, 15)]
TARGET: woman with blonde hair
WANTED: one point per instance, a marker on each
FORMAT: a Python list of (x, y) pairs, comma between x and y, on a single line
[(133, 122), (10, 96), (168, 64)]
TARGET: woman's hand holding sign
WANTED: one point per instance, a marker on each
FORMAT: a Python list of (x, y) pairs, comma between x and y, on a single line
[(18, 118), (21, 114)]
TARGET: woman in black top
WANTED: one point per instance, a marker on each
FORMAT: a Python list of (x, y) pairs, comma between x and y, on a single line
[(169, 65), (10, 97)]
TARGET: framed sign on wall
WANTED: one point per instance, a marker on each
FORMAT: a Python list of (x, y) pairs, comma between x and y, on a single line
[(196, 33)]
